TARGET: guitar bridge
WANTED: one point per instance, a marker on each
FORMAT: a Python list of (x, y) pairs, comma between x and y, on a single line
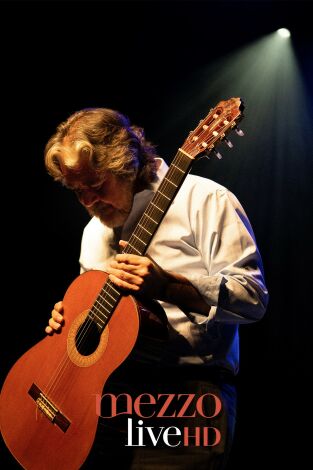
[(48, 408)]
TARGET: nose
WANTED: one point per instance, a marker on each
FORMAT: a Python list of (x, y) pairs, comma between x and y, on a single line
[(88, 197)]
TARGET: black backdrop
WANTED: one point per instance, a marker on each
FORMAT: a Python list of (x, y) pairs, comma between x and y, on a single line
[(140, 58)]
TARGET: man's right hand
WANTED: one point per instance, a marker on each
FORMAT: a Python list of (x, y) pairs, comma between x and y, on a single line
[(56, 320)]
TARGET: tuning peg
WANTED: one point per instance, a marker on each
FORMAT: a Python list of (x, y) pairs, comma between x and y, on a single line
[(206, 155), (239, 131), (228, 143), (217, 154)]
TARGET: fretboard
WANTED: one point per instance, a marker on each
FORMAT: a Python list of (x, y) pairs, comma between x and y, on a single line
[(143, 233)]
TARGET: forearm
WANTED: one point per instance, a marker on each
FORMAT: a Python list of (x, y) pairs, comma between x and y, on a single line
[(234, 298), (178, 290)]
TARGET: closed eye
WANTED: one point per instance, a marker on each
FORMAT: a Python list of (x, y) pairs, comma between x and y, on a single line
[(97, 187), (94, 187)]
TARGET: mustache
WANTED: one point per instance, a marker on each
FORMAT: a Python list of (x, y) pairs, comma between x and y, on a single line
[(102, 208)]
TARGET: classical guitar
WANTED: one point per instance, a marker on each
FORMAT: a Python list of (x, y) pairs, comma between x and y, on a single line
[(47, 405)]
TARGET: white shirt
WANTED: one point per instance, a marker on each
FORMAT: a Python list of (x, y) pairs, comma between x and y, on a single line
[(205, 236)]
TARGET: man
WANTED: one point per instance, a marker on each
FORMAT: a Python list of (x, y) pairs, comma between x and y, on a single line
[(203, 266)]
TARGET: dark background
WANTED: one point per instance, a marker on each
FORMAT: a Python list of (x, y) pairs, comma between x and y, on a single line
[(144, 58)]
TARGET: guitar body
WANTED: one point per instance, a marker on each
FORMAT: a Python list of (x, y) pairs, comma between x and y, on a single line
[(58, 431)]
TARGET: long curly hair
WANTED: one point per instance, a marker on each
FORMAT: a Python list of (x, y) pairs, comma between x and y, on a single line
[(105, 140)]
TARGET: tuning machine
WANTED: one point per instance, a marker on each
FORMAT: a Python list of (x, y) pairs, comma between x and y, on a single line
[(217, 154), (239, 131), (228, 143)]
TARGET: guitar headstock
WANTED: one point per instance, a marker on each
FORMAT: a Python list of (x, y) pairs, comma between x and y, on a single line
[(214, 128)]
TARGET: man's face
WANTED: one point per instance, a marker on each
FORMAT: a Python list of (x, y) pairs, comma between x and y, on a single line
[(109, 198)]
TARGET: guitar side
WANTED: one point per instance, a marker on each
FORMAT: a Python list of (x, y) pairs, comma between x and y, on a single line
[(48, 401)]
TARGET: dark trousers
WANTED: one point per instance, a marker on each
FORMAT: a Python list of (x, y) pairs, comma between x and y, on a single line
[(191, 414)]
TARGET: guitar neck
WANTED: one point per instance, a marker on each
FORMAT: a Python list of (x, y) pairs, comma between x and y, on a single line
[(144, 231)]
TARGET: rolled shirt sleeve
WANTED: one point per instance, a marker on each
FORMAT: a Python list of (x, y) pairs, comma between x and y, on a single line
[(234, 286)]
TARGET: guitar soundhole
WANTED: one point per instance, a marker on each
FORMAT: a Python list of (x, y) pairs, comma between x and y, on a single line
[(87, 338)]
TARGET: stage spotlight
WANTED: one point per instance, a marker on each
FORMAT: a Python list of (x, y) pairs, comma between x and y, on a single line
[(283, 33)]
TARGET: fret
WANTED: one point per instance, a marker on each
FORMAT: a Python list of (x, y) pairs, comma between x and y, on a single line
[(110, 285), (185, 153), (92, 316), (141, 226), (98, 318), (107, 293), (167, 191), (171, 182), (102, 307), (139, 252), (177, 167), (134, 235), (99, 308), (160, 192), (106, 301), (175, 177), (146, 215), (157, 207)]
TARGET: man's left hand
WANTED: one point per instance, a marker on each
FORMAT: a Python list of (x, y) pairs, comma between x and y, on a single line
[(138, 274)]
